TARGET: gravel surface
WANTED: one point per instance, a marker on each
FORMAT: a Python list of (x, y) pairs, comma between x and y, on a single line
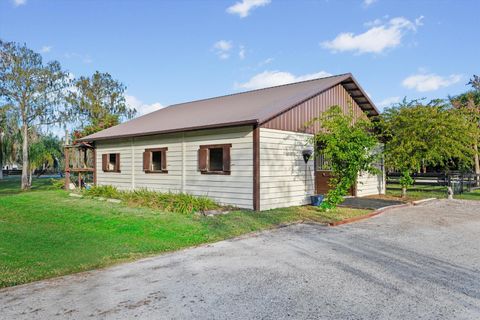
[(414, 262)]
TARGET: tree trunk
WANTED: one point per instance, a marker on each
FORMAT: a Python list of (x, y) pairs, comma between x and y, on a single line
[(404, 192), (477, 164), (25, 166), (1, 157)]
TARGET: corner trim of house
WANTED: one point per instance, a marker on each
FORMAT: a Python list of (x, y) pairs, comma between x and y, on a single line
[(256, 168), (94, 165)]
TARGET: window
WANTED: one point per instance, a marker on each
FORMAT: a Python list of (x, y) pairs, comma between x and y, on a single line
[(214, 159), (111, 162), (321, 163), (155, 160), (215, 155)]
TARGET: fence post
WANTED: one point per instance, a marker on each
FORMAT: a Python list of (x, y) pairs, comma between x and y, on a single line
[(461, 182)]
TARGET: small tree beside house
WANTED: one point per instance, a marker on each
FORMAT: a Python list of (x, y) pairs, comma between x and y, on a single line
[(348, 145)]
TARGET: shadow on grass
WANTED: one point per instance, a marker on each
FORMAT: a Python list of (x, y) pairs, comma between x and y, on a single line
[(11, 185)]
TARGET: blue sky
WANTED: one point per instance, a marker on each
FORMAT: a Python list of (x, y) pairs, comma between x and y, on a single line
[(167, 52)]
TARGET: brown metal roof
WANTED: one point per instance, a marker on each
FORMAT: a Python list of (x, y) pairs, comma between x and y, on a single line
[(251, 107)]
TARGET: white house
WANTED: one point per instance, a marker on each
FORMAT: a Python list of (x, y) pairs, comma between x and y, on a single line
[(242, 149)]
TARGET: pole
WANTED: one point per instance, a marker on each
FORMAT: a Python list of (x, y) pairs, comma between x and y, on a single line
[(67, 169)]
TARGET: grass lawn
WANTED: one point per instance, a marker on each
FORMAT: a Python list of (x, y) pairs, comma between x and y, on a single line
[(45, 233), (422, 192)]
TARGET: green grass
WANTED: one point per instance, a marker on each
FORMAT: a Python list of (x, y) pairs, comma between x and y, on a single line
[(45, 233), (421, 192)]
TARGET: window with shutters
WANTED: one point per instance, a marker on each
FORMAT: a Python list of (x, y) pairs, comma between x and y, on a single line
[(155, 160), (214, 159), (111, 162)]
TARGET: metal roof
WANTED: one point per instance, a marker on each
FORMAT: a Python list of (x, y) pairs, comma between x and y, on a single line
[(251, 107)]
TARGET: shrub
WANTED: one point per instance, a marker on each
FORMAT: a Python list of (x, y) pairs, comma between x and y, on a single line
[(57, 183), (171, 202), (103, 191)]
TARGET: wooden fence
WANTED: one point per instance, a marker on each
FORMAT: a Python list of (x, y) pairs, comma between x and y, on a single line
[(12, 172), (460, 182)]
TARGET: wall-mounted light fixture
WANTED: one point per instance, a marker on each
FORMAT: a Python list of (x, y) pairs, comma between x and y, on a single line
[(307, 153)]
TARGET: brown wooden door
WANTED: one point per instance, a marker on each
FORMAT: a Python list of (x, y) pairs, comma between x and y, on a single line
[(322, 180), (323, 174)]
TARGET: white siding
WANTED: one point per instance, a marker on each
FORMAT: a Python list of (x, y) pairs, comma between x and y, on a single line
[(235, 189), (122, 179), (285, 180), (369, 184)]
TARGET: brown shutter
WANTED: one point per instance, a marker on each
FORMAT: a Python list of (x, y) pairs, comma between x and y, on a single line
[(163, 160), (202, 159), (226, 158), (146, 161), (105, 162), (117, 162)]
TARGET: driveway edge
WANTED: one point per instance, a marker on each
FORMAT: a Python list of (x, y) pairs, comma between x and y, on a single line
[(369, 215)]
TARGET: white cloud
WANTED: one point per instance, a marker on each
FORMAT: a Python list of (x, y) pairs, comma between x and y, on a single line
[(367, 3), (222, 48), (241, 52), (142, 108), (388, 102), (46, 49), (84, 58), (266, 61), (373, 23), (376, 39), (17, 3), (430, 82), (275, 78), (244, 7)]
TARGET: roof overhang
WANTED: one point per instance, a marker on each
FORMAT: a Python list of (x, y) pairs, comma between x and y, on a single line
[(153, 133), (360, 96)]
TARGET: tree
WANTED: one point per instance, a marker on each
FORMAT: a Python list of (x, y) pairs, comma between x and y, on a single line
[(475, 82), (10, 138), (45, 152), (348, 145), (3, 127), (33, 89), (469, 104), (98, 102), (418, 135)]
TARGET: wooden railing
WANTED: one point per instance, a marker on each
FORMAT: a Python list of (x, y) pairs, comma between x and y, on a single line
[(12, 172), (460, 182)]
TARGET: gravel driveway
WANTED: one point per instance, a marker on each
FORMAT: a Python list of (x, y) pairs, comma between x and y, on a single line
[(415, 262)]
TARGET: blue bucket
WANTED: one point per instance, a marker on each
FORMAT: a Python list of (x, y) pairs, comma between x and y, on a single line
[(317, 199)]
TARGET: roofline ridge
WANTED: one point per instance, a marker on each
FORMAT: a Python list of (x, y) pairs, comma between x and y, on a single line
[(256, 90)]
